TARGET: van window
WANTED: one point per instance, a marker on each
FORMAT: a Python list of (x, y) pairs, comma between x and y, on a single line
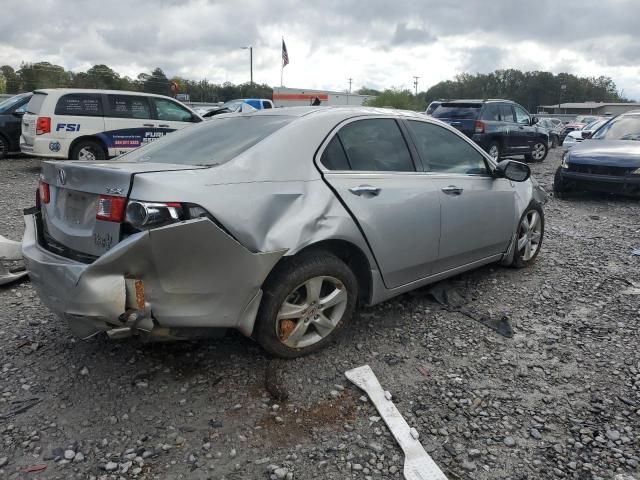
[(266, 105), (128, 106), (171, 111), (35, 104), (79, 104)]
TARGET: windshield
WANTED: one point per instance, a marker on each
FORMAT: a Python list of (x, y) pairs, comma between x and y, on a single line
[(233, 105), (9, 103), (620, 128), (593, 126), (210, 143), (458, 110)]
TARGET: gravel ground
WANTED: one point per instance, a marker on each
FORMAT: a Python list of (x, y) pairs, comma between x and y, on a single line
[(559, 399)]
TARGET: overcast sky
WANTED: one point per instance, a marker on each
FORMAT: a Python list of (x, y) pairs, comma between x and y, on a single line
[(378, 43)]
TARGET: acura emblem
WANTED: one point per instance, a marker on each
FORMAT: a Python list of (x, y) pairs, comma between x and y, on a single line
[(62, 177)]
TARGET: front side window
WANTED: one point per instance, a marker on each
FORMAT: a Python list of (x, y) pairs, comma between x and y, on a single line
[(80, 104), (443, 151), (522, 116), (376, 145), (128, 106), (171, 111)]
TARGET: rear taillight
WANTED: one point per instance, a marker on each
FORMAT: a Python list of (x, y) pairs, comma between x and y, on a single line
[(111, 209), (478, 127), (43, 196), (43, 125), (142, 215)]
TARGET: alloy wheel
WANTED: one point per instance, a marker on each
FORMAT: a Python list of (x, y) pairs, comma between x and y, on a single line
[(538, 152), (529, 235), (494, 152), (87, 154), (311, 311)]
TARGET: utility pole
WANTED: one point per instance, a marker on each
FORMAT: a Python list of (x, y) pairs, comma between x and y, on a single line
[(350, 80), (415, 84), (250, 48)]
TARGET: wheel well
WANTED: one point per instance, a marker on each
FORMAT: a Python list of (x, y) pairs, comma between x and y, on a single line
[(91, 138), (353, 256), (6, 141)]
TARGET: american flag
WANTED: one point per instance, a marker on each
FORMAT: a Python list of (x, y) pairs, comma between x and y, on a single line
[(285, 55)]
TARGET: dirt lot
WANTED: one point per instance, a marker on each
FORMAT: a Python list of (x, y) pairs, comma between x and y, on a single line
[(559, 399)]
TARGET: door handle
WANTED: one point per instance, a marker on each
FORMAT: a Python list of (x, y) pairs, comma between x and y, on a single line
[(452, 190), (163, 125), (148, 125), (365, 190)]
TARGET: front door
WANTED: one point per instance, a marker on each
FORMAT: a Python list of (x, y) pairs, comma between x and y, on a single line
[(477, 210), (171, 115), (369, 165)]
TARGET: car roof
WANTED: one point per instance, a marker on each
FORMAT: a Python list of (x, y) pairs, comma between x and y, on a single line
[(97, 90), (335, 110), (477, 100)]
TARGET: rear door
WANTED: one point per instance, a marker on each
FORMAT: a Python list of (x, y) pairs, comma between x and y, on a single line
[(477, 210), (171, 115), (129, 123), (30, 117), (397, 207)]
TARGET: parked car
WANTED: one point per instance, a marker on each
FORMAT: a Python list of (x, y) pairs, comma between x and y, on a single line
[(97, 124), (233, 106), (276, 223), (587, 131), (577, 124), (11, 111), (607, 162), (552, 128), (500, 127)]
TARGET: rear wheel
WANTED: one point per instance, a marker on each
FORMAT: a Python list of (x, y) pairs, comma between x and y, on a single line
[(538, 153), (89, 151), (306, 304), (554, 141), (4, 147), (529, 237), (494, 151)]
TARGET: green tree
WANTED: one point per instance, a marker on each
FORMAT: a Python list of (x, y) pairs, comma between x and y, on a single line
[(395, 98), (43, 75), (12, 81), (157, 82)]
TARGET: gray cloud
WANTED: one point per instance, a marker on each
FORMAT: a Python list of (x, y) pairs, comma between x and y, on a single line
[(407, 35)]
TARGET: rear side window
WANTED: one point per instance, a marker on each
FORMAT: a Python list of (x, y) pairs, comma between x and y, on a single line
[(491, 112), (266, 105), (376, 145), (35, 104), (464, 111), (79, 104), (334, 157), (209, 143), (506, 112), (128, 106), (171, 111)]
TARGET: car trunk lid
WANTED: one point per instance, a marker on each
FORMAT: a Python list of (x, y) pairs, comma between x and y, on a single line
[(71, 224)]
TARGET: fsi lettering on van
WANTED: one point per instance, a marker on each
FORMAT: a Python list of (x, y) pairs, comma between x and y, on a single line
[(68, 127)]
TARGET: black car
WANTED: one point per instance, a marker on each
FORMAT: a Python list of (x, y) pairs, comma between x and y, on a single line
[(11, 111), (607, 162), (500, 127)]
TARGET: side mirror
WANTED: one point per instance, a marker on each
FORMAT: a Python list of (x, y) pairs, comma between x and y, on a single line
[(586, 135), (534, 120), (512, 170)]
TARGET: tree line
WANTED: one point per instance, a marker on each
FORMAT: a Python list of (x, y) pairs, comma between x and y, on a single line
[(530, 89)]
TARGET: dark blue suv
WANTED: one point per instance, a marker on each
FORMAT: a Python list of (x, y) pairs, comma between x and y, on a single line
[(500, 127), (11, 111)]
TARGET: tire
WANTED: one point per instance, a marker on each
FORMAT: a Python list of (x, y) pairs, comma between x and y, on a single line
[(529, 236), (554, 141), (538, 153), (89, 150), (4, 147), (293, 282), (560, 189), (494, 147)]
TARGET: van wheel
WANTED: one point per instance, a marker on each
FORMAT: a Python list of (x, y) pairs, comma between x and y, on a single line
[(529, 236), (494, 151), (88, 151), (538, 153), (306, 304), (4, 147)]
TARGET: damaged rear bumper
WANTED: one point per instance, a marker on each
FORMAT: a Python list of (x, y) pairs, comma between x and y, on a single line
[(185, 275)]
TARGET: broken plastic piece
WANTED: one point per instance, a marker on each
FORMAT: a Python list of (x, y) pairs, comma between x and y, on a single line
[(418, 465), (11, 251)]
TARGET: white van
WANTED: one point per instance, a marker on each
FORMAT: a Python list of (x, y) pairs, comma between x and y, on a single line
[(97, 124)]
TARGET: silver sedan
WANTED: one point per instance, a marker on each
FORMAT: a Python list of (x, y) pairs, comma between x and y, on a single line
[(276, 223)]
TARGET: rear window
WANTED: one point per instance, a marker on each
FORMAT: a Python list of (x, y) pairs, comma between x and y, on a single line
[(35, 104), (80, 104), (209, 143), (458, 110)]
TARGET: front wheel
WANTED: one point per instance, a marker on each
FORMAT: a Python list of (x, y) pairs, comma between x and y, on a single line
[(529, 237), (560, 188), (306, 304), (538, 153), (88, 151), (4, 147)]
